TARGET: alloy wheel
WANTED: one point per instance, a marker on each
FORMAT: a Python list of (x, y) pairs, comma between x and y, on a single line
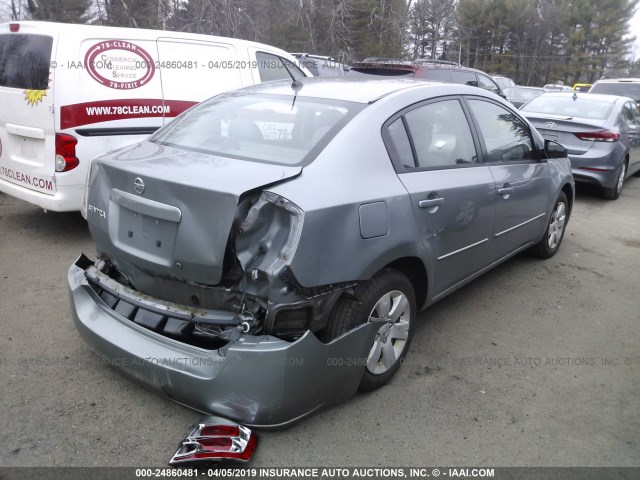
[(394, 309)]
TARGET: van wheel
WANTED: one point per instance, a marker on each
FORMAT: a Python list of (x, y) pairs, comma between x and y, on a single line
[(387, 298), (554, 233)]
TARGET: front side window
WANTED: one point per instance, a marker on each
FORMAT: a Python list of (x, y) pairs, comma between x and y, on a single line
[(488, 84), (280, 129), (630, 114), (507, 138), (272, 67), (24, 61), (440, 134)]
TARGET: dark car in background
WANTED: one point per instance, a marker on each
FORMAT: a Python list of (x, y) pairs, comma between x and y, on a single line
[(518, 96), (322, 66), (625, 87), (601, 133), (429, 69)]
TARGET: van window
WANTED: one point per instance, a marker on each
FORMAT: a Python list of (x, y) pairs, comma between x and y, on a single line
[(24, 61), (273, 67)]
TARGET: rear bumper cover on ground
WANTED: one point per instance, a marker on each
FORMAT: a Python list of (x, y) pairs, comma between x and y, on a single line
[(259, 381)]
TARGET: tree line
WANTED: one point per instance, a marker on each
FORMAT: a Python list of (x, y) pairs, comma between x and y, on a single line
[(532, 41)]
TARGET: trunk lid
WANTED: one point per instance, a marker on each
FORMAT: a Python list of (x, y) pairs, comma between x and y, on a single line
[(168, 212), (27, 129), (562, 129)]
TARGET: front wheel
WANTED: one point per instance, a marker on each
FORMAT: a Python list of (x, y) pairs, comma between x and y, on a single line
[(614, 193), (389, 299), (551, 240)]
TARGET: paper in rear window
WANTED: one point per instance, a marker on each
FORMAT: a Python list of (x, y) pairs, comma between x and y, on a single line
[(24, 61)]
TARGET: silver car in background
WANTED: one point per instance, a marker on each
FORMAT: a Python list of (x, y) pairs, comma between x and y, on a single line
[(518, 96), (600, 132), (266, 254)]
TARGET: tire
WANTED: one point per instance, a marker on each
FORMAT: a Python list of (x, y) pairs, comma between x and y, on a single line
[(554, 233), (387, 288), (614, 193)]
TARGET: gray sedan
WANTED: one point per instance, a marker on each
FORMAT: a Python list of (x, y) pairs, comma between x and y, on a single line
[(266, 254), (601, 133)]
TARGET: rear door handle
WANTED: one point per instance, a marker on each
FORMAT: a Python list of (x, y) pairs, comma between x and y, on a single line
[(505, 191), (432, 202)]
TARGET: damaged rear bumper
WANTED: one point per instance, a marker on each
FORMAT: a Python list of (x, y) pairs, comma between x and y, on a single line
[(259, 381)]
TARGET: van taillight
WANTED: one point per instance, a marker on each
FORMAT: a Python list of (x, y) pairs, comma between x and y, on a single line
[(66, 152), (14, 27)]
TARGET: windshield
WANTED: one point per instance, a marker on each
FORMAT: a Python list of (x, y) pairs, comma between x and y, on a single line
[(279, 129), (570, 105), (525, 94), (24, 61), (631, 90)]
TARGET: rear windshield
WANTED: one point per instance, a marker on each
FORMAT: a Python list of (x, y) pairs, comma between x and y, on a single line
[(284, 130), (631, 90), (24, 61), (582, 106)]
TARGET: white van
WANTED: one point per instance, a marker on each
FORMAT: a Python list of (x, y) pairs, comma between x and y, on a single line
[(71, 92)]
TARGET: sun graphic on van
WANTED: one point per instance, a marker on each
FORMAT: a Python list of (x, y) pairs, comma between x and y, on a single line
[(34, 97)]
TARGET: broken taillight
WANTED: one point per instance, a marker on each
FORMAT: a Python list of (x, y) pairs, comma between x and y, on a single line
[(214, 440), (66, 152), (14, 27)]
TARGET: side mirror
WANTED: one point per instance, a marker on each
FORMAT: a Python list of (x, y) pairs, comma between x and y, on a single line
[(554, 149)]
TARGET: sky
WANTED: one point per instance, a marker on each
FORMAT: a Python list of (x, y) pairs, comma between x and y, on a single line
[(634, 29)]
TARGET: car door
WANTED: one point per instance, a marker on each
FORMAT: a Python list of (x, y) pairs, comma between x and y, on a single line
[(452, 194), (522, 180), (630, 133)]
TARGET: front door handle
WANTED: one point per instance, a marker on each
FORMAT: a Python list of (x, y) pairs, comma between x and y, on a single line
[(505, 191), (430, 203)]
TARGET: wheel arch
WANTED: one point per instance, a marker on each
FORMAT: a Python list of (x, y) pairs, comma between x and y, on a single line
[(415, 270), (567, 189)]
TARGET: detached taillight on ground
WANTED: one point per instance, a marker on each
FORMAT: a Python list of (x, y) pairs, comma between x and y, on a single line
[(602, 136), (215, 440), (14, 27), (66, 152)]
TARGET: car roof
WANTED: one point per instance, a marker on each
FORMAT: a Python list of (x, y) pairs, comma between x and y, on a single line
[(356, 89)]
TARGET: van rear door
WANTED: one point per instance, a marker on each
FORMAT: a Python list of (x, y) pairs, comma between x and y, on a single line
[(27, 136)]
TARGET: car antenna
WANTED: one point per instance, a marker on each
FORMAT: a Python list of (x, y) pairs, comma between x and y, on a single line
[(296, 86)]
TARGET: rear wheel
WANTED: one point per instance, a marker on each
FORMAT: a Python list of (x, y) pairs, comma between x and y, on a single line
[(388, 298), (614, 193), (550, 242)]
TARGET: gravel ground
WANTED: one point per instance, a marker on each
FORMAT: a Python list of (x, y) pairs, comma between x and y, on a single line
[(537, 363)]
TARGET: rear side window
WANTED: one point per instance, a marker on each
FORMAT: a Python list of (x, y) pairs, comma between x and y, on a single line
[(24, 61), (439, 75), (464, 78)]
